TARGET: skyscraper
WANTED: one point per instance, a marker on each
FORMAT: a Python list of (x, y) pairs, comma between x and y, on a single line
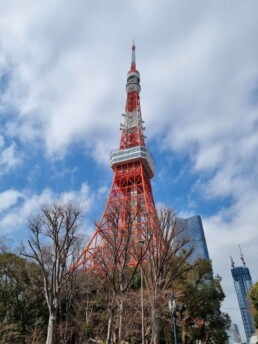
[(243, 283), (192, 229), (234, 335)]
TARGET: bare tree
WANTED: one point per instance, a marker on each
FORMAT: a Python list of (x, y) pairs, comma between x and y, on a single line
[(165, 261), (118, 262), (4, 244), (53, 245)]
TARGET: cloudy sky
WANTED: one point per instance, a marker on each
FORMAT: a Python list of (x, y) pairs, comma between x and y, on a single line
[(63, 68)]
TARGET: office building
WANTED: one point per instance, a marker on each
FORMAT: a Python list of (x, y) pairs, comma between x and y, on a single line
[(243, 283), (192, 230), (234, 335)]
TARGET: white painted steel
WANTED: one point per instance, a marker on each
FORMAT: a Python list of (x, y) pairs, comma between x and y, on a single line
[(133, 154)]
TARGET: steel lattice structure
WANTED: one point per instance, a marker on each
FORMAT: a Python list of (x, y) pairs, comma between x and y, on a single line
[(131, 193)]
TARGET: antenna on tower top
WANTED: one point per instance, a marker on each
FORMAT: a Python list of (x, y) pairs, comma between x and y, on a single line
[(242, 257), (133, 63), (232, 262)]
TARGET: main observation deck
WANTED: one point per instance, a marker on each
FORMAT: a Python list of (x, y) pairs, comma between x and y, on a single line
[(118, 157)]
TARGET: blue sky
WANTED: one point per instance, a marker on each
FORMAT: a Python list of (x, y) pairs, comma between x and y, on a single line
[(63, 69)]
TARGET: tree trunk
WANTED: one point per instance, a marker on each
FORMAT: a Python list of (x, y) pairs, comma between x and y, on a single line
[(51, 330), (110, 323), (121, 321), (184, 337), (156, 326)]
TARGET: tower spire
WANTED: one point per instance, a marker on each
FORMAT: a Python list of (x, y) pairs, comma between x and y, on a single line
[(133, 62), (132, 128)]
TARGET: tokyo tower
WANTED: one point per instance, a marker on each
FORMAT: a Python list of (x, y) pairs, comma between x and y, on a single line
[(133, 167)]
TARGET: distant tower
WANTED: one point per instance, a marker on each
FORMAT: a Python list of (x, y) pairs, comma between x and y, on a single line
[(234, 335), (243, 283), (192, 229), (133, 168)]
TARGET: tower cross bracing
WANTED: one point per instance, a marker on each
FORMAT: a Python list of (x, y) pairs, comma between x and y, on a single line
[(130, 196)]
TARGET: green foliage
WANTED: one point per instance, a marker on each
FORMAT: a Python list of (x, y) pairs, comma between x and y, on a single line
[(21, 300), (202, 294), (254, 299)]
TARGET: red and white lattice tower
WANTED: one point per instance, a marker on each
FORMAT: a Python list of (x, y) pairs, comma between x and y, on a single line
[(133, 168)]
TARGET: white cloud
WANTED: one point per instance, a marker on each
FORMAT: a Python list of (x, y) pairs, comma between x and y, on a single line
[(82, 197), (15, 217), (66, 71), (9, 157), (209, 157), (9, 198), (57, 82), (198, 62)]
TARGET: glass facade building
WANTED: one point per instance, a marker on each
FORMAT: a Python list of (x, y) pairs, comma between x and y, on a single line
[(243, 283), (234, 335), (192, 229)]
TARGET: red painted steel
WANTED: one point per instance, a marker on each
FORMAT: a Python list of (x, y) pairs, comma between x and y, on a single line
[(131, 190)]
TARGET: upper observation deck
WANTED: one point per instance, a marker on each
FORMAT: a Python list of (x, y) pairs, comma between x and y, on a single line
[(138, 153)]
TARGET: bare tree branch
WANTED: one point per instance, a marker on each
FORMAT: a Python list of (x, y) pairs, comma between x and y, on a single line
[(52, 246)]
